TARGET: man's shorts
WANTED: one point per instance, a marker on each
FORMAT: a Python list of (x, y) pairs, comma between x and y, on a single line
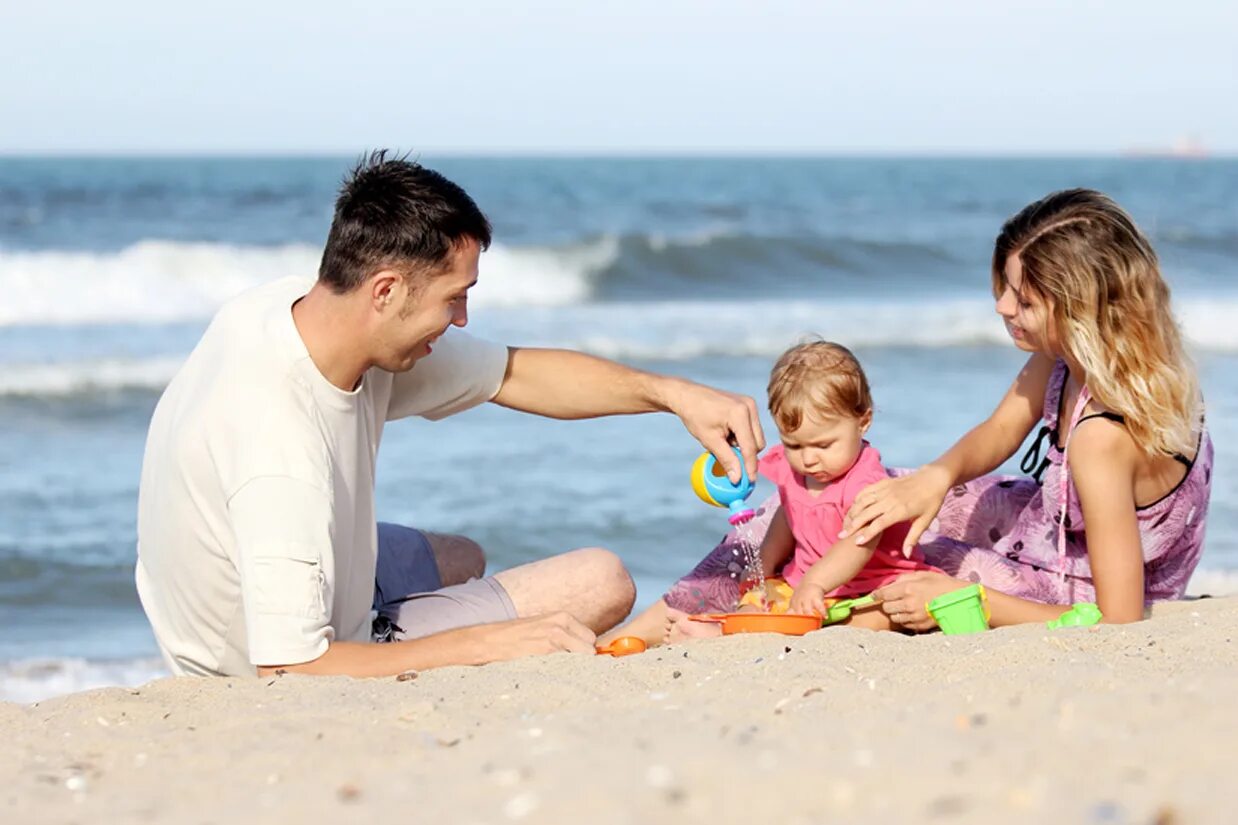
[(409, 596)]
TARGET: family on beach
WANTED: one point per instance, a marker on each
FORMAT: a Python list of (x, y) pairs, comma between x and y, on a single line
[(258, 542)]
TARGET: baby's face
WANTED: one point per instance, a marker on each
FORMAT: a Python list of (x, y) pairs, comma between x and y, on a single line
[(824, 448)]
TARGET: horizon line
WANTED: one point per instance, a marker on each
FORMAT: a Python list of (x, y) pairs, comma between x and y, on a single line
[(1131, 153)]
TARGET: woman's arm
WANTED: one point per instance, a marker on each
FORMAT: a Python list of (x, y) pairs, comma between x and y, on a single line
[(1102, 466), (905, 599), (986, 446), (1103, 460), (917, 497), (777, 545)]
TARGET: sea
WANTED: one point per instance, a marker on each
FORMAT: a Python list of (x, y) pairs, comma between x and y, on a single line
[(110, 269)]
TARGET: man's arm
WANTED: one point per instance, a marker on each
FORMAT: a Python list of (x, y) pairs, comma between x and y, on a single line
[(570, 385), (476, 645)]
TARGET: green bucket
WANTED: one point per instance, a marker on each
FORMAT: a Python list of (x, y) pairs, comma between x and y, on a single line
[(965, 610)]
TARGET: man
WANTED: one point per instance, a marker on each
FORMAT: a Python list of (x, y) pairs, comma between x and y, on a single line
[(257, 539)]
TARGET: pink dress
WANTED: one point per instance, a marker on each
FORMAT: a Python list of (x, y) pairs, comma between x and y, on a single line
[(815, 521), (1002, 531)]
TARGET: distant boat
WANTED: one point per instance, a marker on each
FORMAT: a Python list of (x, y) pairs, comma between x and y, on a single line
[(1184, 147)]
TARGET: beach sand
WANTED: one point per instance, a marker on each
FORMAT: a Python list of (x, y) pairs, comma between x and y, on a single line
[(1100, 725)]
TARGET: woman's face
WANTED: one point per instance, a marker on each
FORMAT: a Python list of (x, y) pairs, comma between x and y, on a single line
[(1028, 317)]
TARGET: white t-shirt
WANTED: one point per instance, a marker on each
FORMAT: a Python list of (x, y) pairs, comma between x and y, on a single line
[(257, 535)]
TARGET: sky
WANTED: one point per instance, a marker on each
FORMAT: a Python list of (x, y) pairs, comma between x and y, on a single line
[(636, 77)]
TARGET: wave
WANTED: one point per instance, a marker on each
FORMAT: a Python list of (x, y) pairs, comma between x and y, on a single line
[(661, 331), (165, 281), (33, 680), (1212, 582), (87, 377), (162, 282)]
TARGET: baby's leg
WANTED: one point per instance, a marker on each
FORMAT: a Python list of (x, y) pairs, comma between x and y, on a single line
[(681, 626), (651, 625)]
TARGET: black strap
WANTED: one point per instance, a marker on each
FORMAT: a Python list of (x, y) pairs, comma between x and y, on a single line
[(1112, 416), (1033, 464)]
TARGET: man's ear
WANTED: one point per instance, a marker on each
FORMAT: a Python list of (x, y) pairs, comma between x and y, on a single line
[(383, 286)]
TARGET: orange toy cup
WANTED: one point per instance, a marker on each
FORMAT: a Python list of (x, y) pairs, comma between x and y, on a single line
[(623, 646)]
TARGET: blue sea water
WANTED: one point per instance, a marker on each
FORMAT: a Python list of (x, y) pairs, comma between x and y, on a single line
[(706, 268)]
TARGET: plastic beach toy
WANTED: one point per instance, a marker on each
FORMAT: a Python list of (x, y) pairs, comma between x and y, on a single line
[(841, 610), (1081, 614), (790, 624), (965, 610), (710, 483), (623, 646)]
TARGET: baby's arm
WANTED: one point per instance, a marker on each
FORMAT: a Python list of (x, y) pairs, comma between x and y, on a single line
[(778, 544), (837, 567)]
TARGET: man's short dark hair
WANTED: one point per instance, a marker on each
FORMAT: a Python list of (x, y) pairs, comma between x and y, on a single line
[(395, 213)]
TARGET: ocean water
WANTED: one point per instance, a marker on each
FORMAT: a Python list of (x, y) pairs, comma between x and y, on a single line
[(706, 268)]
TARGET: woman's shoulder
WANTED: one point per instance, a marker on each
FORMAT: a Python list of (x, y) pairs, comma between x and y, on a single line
[(1102, 444)]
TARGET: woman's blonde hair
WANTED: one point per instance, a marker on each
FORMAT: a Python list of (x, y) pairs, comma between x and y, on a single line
[(1110, 307), (819, 378)]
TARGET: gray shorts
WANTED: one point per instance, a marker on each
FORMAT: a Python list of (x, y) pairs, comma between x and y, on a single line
[(409, 596)]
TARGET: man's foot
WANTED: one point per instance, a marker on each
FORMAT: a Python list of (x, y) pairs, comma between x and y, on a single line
[(680, 626)]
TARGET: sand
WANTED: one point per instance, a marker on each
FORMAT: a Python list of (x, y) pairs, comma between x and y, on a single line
[(1102, 725)]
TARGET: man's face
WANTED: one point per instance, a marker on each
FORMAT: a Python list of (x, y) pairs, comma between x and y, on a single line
[(427, 308)]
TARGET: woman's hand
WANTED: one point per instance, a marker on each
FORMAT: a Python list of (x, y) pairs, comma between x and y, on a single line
[(904, 599), (915, 498), (808, 599)]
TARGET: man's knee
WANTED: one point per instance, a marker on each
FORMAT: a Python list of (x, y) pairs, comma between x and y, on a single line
[(458, 558), (609, 578)]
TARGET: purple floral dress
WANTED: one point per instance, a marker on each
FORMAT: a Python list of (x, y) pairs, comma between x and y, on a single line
[(1002, 531)]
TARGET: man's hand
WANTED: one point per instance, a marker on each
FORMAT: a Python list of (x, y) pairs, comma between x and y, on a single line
[(535, 636), (476, 645), (717, 418)]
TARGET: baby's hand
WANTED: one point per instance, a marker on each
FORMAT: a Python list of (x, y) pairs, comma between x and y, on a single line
[(808, 599)]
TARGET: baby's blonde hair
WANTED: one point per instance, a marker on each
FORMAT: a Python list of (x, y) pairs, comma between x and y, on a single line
[(1110, 306), (820, 378)]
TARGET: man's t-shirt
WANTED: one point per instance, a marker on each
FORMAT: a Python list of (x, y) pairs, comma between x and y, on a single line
[(256, 525)]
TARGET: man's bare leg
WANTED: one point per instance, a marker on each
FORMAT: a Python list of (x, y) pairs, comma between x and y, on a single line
[(591, 584), (457, 558)]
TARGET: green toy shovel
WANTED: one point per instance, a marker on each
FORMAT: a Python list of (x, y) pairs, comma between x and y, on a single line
[(839, 611)]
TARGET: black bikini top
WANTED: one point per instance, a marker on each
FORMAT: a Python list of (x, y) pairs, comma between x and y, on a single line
[(1034, 465)]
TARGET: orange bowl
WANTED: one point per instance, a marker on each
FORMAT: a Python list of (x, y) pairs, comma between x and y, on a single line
[(790, 624)]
